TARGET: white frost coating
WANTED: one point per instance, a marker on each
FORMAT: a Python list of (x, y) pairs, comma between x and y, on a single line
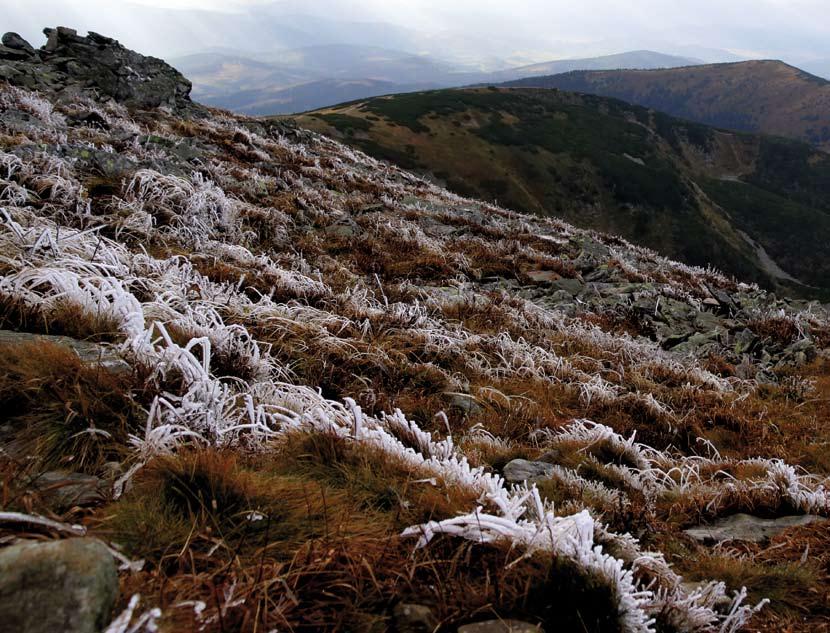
[(186, 330), (33, 519), (569, 537), (223, 412), (147, 622)]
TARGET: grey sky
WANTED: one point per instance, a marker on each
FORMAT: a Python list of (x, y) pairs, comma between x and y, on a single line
[(794, 30)]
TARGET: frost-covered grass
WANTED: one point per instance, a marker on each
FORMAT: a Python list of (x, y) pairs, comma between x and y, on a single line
[(325, 386)]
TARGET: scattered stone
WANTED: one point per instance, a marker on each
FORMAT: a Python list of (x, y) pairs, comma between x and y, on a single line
[(672, 341), (543, 276), (65, 489), (695, 344), (69, 586), (344, 228), (591, 247), (724, 299), (745, 527), (91, 119), (414, 618), (706, 321), (465, 402), (560, 296), (500, 626), (520, 470), (745, 342), (798, 354), (746, 370), (572, 286), (112, 166)]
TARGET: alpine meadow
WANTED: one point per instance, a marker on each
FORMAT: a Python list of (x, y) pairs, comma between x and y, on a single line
[(539, 341)]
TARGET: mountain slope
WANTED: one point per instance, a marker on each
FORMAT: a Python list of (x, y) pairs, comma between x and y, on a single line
[(293, 388), (689, 191), (755, 96)]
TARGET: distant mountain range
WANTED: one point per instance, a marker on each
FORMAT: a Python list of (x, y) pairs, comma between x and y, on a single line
[(754, 206), (631, 59), (317, 76), (754, 96)]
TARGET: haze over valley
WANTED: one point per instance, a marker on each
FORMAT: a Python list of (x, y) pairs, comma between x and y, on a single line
[(277, 57)]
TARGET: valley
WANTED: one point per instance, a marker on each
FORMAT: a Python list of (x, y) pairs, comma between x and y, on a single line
[(761, 96), (689, 191)]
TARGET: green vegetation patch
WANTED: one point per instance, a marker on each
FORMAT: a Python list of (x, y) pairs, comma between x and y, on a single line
[(794, 170), (785, 228), (345, 123)]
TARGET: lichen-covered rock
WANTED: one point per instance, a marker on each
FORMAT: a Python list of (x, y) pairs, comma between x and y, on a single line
[(745, 527), (64, 489), (68, 586), (520, 470)]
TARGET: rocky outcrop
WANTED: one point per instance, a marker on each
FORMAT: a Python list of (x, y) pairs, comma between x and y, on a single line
[(70, 63), (714, 323), (68, 586)]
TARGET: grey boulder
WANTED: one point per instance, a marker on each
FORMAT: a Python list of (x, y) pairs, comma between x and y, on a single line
[(520, 470), (65, 489), (69, 586), (745, 527)]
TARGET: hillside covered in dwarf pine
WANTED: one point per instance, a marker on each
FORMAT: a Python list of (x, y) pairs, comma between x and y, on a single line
[(761, 96), (755, 206), (254, 380)]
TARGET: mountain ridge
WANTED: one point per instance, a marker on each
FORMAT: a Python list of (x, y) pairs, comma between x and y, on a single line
[(607, 165), (634, 59), (767, 96), (307, 69)]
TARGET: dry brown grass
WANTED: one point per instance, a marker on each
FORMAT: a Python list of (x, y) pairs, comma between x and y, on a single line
[(63, 318), (64, 412), (325, 555), (780, 330)]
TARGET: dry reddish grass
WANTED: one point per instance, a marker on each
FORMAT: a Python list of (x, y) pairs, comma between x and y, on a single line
[(51, 399), (778, 329)]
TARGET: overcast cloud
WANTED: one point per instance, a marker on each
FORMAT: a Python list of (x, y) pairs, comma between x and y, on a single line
[(793, 30)]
